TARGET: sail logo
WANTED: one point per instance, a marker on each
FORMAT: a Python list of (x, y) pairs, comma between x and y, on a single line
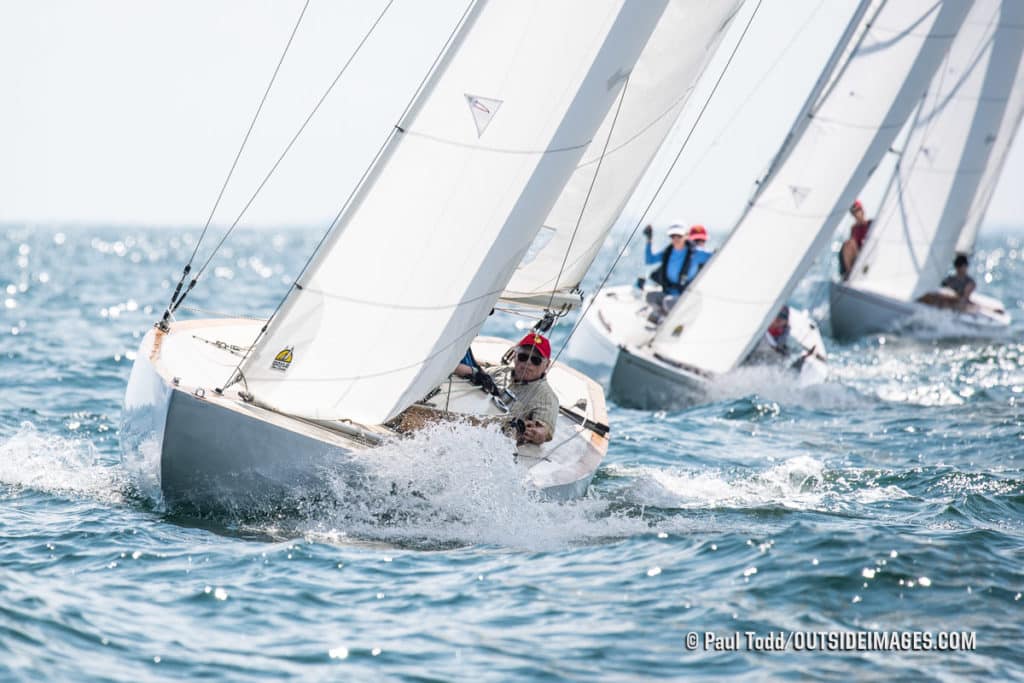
[(283, 359), (483, 110), (799, 194)]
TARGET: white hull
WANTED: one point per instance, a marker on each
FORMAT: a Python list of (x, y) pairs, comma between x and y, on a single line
[(855, 313), (616, 318), (220, 453), (617, 332)]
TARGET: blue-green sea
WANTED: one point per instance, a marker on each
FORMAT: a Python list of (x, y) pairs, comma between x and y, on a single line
[(888, 501)]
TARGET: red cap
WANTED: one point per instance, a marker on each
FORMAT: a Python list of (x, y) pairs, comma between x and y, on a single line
[(697, 232), (537, 341), (856, 205)]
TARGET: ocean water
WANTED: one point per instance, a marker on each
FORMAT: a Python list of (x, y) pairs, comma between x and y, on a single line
[(889, 500)]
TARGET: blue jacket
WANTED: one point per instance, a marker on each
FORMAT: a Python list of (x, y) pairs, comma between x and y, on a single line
[(674, 265)]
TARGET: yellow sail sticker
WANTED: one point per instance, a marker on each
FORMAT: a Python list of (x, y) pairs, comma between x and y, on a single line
[(283, 359)]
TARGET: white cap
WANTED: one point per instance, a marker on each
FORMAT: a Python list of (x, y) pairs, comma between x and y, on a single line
[(678, 229)]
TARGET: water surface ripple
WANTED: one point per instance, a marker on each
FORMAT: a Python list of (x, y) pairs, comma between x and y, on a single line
[(889, 499)]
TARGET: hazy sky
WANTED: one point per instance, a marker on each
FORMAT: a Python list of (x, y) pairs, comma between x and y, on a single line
[(125, 112)]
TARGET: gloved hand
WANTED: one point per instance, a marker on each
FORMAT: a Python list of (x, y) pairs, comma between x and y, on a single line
[(648, 233), (484, 381)]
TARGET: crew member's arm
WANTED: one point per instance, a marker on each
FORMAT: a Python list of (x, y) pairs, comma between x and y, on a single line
[(968, 290), (467, 366), (543, 416), (650, 257), (536, 432)]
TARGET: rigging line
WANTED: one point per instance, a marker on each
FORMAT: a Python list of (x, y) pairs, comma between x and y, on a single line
[(221, 314), (238, 155), (664, 180), (762, 81), (237, 372), (590, 190), (248, 133), (287, 149)]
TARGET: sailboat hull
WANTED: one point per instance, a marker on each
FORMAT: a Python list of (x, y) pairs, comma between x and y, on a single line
[(209, 452), (213, 453), (855, 313), (646, 383), (217, 456), (617, 329)]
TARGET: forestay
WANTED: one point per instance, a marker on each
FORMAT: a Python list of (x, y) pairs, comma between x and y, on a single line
[(944, 164), (831, 153), (409, 274), (656, 93)]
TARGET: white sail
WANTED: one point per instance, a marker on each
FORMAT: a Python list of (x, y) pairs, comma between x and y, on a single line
[(406, 279), (997, 158), (656, 93), (828, 158), (944, 164)]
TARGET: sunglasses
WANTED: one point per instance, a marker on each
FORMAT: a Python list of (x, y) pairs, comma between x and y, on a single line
[(533, 358)]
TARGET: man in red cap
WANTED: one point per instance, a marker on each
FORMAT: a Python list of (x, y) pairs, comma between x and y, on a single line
[(535, 403), (680, 261), (852, 246)]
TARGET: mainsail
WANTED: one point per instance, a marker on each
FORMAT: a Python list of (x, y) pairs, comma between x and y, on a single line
[(944, 178), (628, 139), (886, 66), (407, 277)]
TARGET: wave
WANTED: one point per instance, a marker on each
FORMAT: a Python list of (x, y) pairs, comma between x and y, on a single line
[(49, 463)]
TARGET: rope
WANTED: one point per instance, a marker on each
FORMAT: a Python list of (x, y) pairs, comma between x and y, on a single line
[(761, 82), (237, 372), (590, 190), (252, 124), (284, 153), (221, 314), (661, 185)]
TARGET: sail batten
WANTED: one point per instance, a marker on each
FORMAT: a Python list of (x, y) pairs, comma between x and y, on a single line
[(822, 166), (414, 266)]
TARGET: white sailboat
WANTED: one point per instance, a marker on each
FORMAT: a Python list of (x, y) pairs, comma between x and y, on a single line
[(867, 91), (942, 184), (244, 413), (621, 315)]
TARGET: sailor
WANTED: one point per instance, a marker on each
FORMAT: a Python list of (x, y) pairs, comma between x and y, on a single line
[(776, 338), (534, 408), (777, 335), (535, 402), (679, 262), (853, 245), (961, 283)]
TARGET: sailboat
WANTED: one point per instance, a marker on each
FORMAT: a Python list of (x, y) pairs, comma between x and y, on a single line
[(243, 413), (941, 186), (866, 92)]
